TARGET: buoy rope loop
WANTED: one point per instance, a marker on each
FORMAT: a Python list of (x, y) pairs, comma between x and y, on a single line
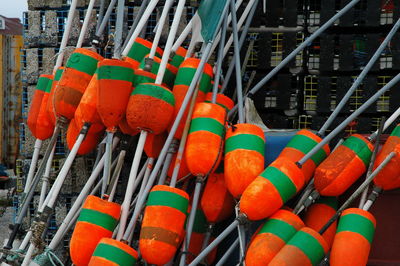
[(242, 219), (51, 255)]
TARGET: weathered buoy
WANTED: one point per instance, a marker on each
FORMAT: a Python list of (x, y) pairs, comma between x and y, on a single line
[(44, 126), (216, 202), (154, 144), (89, 143), (110, 252), (343, 167), (115, 86), (301, 144), (150, 108), (163, 223), (86, 112), (204, 145), (97, 219), (318, 214), (182, 82), (170, 71), (50, 102), (222, 100), (389, 177), (178, 57), (353, 238), (36, 102), (139, 50), (271, 237), (77, 74), (306, 247), (244, 156), (271, 189)]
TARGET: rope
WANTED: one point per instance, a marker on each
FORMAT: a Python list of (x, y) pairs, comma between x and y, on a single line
[(51, 255), (38, 227)]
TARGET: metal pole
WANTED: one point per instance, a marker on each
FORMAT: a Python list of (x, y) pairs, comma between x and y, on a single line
[(167, 164), (104, 22), (136, 21), (340, 127), (388, 122), (372, 162), (192, 215), (45, 178), (303, 45), (219, 59), (107, 163), (228, 253), (214, 244), (359, 79), (101, 14), (237, 62), (241, 41), (32, 167), (85, 23), (119, 24)]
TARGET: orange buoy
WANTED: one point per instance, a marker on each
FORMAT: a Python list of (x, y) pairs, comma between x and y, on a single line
[(216, 202), (244, 156), (306, 247), (343, 167), (271, 189), (86, 112), (98, 218), (182, 82), (163, 223), (178, 57), (205, 139), (353, 238), (150, 108), (142, 76), (300, 145), (50, 102), (89, 143), (222, 100), (37, 102), (154, 144), (389, 177), (197, 239), (183, 169), (44, 126), (110, 252), (126, 129), (115, 86), (271, 237), (77, 74), (318, 214), (170, 71), (139, 50)]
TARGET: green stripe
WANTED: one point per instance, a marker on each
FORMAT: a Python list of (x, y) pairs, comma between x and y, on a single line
[(169, 199), (83, 63), (156, 92), (360, 148), (139, 79), (115, 73), (200, 222), (281, 182), (49, 85), (177, 60), (358, 224), (168, 78), (396, 132), (206, 124), (42, 83), (309, 245), (305, 144), (139, 51), (224, 106), (186, 74), (245, 142), (58, 74), (330, 201), (114, 254), (279, 228), (98, 218)]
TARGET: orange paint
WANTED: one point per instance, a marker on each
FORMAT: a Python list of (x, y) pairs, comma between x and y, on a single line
[(111, 252), (216, 202), (81, 246), (44, 126), (89, 143), (50, 102), (154, 144)]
